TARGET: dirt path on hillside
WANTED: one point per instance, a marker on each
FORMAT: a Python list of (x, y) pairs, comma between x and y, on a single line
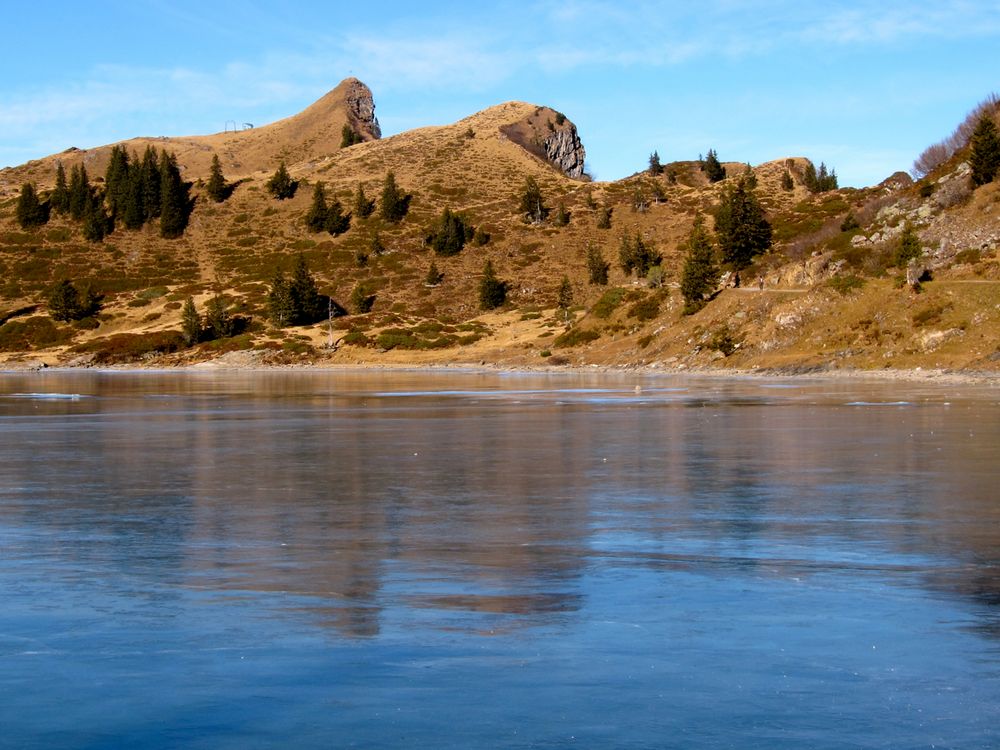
[(758, 290)]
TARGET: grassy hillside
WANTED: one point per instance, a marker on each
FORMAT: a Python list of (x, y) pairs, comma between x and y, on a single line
[(826, 295)]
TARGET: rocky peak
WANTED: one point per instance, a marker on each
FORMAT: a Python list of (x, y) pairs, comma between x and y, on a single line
[(564, 149), (361, 107), (549, 135)]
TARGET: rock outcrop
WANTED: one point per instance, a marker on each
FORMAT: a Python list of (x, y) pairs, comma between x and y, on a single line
[(550, 136), (361, 108), (565, 151)]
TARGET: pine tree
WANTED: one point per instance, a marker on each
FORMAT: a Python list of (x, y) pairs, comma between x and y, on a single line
[(908, 247), (395, 203), (216, 188), (480, 237), (713, 168), (821, 181), (280, 305), (810, 179), (308, 305), (604, 217), (635, 254), (135, 206), (79, 191), (741, 228), (316, 216), (787, 184), (533, 208), (597, 267), (984, 157), (65, 302), (281, 185), (116, 181), (173, 198), (561, 217), (149, 173), (363, 207), (31, 212), (218, 321), (655, 168), (822, 177), (646, 257), (656, 277), (190, 323), (434, 276), (832, 183), (362, 298), (701, 273), (564, 298), (375, 245), (337, 222), (449, 235), (97, 224), (492, 291), (348, 137), (59, 200)]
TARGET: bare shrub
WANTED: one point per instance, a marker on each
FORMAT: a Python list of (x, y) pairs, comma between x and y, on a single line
[(936, 155), (931, 158), (952, 192), (867, 213), (801, 247)]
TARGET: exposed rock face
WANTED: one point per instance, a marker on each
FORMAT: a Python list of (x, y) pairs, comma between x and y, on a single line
[(361, 108), (550, 136), (564, 149), (896, 181)]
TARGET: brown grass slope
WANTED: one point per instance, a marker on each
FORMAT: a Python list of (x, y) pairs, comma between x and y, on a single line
[(830, 299), (315, 131)]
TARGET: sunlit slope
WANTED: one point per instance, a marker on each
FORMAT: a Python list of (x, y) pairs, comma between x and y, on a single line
[(823, 296)]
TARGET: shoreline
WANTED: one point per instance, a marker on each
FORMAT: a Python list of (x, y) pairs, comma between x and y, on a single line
[(915, 375)]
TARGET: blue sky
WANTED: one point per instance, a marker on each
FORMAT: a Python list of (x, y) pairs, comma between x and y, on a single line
[(861, 85)]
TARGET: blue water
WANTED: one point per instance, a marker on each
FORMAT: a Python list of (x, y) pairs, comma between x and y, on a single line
[(478, 560)]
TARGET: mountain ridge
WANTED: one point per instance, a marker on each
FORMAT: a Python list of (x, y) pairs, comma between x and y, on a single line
[(823, 297)]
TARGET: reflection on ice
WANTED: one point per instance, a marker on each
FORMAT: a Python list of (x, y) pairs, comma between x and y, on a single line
[(243, 558), (45, 396), (880, 403)]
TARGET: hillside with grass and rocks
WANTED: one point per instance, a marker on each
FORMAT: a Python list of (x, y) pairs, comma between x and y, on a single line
[(314, 240)]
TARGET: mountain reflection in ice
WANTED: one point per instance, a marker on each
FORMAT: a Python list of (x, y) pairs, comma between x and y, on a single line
[(586, 545)]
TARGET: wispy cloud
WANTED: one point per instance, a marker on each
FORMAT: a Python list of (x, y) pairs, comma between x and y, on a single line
[(884, 22), (438, 61), (471, 50)]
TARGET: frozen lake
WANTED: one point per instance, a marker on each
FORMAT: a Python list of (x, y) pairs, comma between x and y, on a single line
[(488, 560)]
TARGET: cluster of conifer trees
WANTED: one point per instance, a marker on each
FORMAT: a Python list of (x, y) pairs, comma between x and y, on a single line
[(821, 181), (712, 167), (328, 214), (742, 232), (147, 189), (217, 323), (295, 301), (635, 254), (136, 191)]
